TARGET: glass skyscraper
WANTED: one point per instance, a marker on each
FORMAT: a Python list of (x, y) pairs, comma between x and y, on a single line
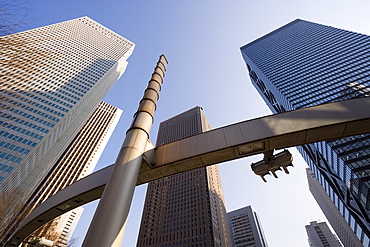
[(303, 64), (53, 77)]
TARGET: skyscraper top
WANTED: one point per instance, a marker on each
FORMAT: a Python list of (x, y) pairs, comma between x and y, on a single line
[(82, 29), (281, 29), (271, 33), (183, 125), (87, 21)]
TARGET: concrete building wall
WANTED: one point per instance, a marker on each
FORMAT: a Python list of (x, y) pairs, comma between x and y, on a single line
[(185, 209), (78, 161), (319, 235), (246, 228)]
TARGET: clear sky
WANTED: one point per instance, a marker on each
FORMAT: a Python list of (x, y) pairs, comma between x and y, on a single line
[(202, 40)]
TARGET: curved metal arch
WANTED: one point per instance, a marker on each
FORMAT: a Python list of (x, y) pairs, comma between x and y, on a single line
[(303, 126)]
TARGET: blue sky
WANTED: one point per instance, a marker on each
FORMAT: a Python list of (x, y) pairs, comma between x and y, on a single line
[(201, 40)]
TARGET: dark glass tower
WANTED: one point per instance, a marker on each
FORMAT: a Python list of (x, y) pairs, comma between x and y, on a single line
[(186, 209), (303, 64)]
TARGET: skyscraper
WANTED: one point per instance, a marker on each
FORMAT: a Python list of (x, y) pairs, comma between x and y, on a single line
[(319, 235), (246, 228), (303, 64), (53, 78), (186, 209), (66, 225), (77, 161), (336, 220)]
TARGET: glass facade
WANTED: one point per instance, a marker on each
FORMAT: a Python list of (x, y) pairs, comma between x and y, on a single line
[(53, 77), (304, 64)]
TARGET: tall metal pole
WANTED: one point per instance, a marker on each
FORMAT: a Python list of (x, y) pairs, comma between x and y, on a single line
[(108, 224)]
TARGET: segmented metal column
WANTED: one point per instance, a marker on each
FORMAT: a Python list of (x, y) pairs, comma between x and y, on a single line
[(108, 224)]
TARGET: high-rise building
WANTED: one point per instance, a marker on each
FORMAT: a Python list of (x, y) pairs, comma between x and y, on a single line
[(53, 77), (77, 161), (303, 64), (186, 209), (336, 220), (320, 235), (65, 227), (246, 228), (58, 231)]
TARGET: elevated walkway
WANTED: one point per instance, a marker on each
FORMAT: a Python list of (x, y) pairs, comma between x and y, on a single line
[(318, 123)]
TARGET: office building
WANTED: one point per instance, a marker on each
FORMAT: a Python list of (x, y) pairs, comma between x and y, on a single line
[(186, 209), (66, 225), (303, 64), (335, 218), (320, 235), (246, 228), (77, 161), (53, 78), (59, 231)]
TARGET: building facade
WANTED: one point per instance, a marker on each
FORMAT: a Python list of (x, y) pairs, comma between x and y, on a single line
[(186, 209), (53, 78), (77, 161), (246, 228), (65, 227), (319, 235), (336, 220), (303, 64)]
